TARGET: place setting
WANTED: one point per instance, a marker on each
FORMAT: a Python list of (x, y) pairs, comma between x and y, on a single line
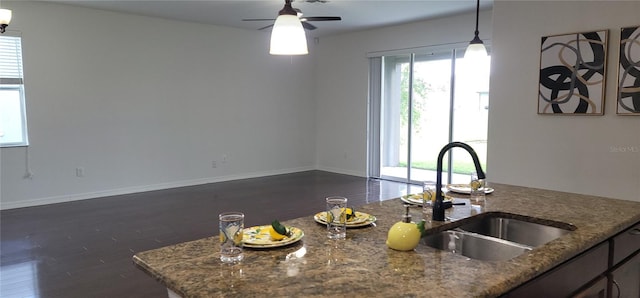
[(427, 196), (475, 186), (339, 214), (465, 188), (476, 189), (418, 199), (234, 237)]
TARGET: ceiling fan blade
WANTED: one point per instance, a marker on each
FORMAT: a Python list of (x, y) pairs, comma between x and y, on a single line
[(315, 19), (265, 27), (308, 26), (258, 19)]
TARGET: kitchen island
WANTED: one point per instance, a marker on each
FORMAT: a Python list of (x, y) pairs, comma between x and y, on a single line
[(363, 266)]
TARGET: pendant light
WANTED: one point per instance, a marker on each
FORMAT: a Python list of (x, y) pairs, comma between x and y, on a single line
[(288, 37), (5, 19), (476, 47)]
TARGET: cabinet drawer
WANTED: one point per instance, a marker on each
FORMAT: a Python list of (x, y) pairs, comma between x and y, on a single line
[(626, 243), (625, 279), (597, 289), (568, 277)]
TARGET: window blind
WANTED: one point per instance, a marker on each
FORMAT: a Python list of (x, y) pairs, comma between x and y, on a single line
[(10, 60), (13, 118)]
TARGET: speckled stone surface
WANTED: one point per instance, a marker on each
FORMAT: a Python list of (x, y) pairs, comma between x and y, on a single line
[(362, 265)]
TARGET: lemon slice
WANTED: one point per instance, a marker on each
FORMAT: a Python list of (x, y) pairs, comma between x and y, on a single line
[(337, 213), (428, 195), (234, 232), (350, 214), (275, 236), (277, 231), (475, 185)]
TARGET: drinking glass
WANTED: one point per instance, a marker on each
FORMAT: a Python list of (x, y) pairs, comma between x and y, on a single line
[(477, 188), (231, 226), (336, 217), (428, 196)]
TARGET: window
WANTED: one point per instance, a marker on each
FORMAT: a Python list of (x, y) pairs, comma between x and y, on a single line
[(13, 122), (423, 100)]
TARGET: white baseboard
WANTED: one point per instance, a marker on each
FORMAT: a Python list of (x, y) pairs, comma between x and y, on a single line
[(143, 188), (341, 171)]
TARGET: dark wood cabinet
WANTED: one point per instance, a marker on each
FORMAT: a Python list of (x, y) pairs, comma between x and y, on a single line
[(569, 277), (625, 244), (624, 277), (625, 280), (608, 270), (596, 289)]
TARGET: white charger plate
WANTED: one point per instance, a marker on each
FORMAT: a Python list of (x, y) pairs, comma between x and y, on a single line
[(416, 199), (466, 189)]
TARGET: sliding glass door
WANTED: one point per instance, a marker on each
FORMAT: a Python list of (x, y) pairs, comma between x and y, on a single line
[(425, 101)]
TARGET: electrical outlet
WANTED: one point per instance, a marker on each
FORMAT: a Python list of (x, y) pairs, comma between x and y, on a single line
[(224, 158), (214, 164), (79, 172)]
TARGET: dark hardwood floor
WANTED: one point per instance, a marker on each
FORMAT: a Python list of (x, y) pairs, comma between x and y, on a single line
[(84, 248)]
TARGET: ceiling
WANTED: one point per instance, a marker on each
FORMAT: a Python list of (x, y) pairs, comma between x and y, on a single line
[(356, 14)]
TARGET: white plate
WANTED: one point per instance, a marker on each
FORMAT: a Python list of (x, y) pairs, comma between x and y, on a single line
[(362, 219), (258, 237), (416, 199), (464, 188)]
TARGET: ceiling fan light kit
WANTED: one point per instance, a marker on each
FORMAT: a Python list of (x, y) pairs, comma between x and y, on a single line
[(5, 19), (287, 37), (476, 47)]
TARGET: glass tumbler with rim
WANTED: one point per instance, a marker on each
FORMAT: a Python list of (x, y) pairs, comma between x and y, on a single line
[(231, 231), (336, 217), (477, 192), (428, 196)]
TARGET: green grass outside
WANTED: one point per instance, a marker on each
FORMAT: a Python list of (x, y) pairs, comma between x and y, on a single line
[(458, 167)]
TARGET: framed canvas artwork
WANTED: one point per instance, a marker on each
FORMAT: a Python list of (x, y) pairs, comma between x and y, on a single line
[(572, 73), (629, 72)]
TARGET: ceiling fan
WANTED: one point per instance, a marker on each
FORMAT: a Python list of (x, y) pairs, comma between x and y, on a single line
[(294, 11)]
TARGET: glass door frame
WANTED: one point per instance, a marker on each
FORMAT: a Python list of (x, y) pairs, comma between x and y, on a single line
[(376, 91)]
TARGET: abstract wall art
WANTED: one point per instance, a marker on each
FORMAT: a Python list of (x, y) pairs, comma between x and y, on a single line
[(629, 72), (572, 73)]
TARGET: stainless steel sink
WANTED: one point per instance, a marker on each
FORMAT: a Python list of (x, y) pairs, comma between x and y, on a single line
[(475, 246), (497, 236), (515, 230)]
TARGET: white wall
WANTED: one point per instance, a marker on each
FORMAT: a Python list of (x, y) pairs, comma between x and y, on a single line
[(579, 154), (342, 70), (144, 103), (566, 153)]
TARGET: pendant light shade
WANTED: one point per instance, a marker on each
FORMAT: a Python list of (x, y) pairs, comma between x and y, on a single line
[(5, 19), (475, 50), (288, 37), (476, 47)]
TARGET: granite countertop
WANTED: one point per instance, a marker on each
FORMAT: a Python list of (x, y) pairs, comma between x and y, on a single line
[(362, 264)]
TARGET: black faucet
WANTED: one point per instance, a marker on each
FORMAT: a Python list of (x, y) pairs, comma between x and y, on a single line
[(438, 206)]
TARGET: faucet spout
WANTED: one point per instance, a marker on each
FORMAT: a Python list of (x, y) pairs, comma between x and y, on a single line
[(438, 206)]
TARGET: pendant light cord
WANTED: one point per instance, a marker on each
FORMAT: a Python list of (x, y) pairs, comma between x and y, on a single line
[(28, 173), (477, 17)]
